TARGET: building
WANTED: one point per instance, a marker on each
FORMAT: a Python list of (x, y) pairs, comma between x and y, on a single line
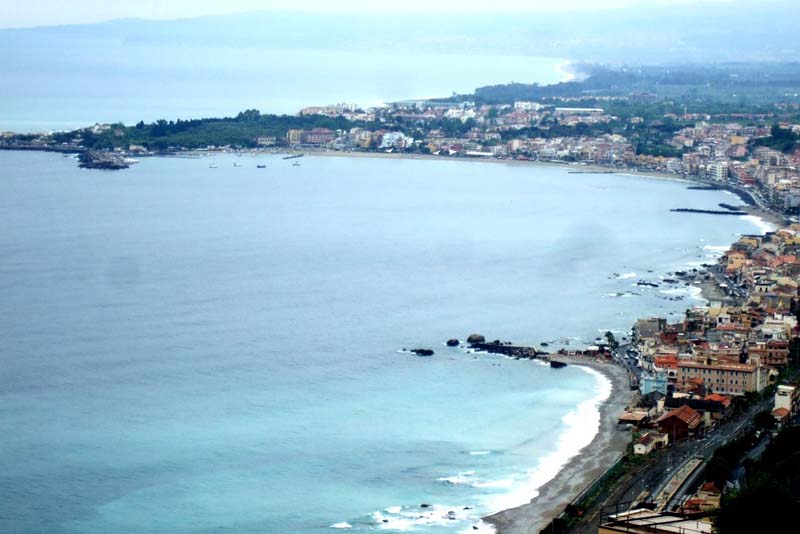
[(269, 140), (294, 136), (655, 382), (633, 418), (774, 352), (318, 136), (650, 442), (642, 521), (718, 171), (712, 407), (786, 397), (680, 423), (724, 377), (650, 327)]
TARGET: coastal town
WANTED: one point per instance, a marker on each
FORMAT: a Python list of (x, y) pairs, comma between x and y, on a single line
[(756, 152), (722, 382), (712, 395)]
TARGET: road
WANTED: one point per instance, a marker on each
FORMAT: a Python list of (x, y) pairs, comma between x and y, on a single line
[(651, 478)]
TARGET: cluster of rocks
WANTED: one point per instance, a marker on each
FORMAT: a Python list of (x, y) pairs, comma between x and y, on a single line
[(478, 342), (95, 159)]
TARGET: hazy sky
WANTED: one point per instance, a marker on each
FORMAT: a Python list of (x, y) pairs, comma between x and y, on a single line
[(17, 13)]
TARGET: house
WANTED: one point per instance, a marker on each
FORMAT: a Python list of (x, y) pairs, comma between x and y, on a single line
[(706, 499), (634, 418), (786, 397), (711, 407), (649, 442), (679, 423)]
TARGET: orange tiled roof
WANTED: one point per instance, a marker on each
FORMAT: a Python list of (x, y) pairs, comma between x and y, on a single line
[(780, 412), (685, 414), (716, 397)]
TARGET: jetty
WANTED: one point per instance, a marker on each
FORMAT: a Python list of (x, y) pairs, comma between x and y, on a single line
[(506, 349), (709, 212)]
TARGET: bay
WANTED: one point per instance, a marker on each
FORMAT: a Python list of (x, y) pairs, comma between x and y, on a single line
[(188, 349)]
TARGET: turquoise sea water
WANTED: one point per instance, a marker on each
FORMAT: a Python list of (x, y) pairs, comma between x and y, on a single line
[(187, 349)]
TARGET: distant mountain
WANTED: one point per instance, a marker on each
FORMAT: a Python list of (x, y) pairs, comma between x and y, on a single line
[(707, 32)]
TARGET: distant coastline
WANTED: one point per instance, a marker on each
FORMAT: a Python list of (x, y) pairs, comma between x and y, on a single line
[(567, 71)]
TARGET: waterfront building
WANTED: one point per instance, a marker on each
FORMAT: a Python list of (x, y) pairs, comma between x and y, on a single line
[(270, 140), (294, 136), (724, 377), (318, 136)]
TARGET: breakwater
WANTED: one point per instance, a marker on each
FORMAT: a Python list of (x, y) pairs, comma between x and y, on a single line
[(709, 212), (507, 349)]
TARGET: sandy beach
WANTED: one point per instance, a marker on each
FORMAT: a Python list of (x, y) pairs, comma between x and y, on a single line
[(581, 470)]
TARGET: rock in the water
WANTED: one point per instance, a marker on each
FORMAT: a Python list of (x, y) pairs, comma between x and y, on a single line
[(423, 352), (97, 159), (452, 342), (476, 338)]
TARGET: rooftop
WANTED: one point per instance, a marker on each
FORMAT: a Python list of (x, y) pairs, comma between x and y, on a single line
[(686, 414)]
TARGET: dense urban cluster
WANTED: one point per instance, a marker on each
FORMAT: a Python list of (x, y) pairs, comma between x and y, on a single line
[(726, 372), (708, 146)]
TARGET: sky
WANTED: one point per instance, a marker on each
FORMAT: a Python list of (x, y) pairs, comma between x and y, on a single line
[(19, 14)]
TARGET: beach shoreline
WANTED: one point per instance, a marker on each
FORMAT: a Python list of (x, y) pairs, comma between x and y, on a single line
[(581, 470)]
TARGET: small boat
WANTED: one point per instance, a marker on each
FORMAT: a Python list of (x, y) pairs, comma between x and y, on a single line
[(557, 365), (212, 166), (295, 164), (261, 166), (237, 164), (294, 156)]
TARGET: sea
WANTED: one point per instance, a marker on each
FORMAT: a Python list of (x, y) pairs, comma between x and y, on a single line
[(188, 349), (52, 86)]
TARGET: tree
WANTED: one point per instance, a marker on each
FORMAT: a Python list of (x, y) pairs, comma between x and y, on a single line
[(612, 341)]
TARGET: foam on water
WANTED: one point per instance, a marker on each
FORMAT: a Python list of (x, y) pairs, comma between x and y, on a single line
[(582, 425), (762, 225), (692, 292), (436, 515), (248, 341)]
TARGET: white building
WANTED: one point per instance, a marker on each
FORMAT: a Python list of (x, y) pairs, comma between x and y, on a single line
[(786, 397), (649, 442)]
